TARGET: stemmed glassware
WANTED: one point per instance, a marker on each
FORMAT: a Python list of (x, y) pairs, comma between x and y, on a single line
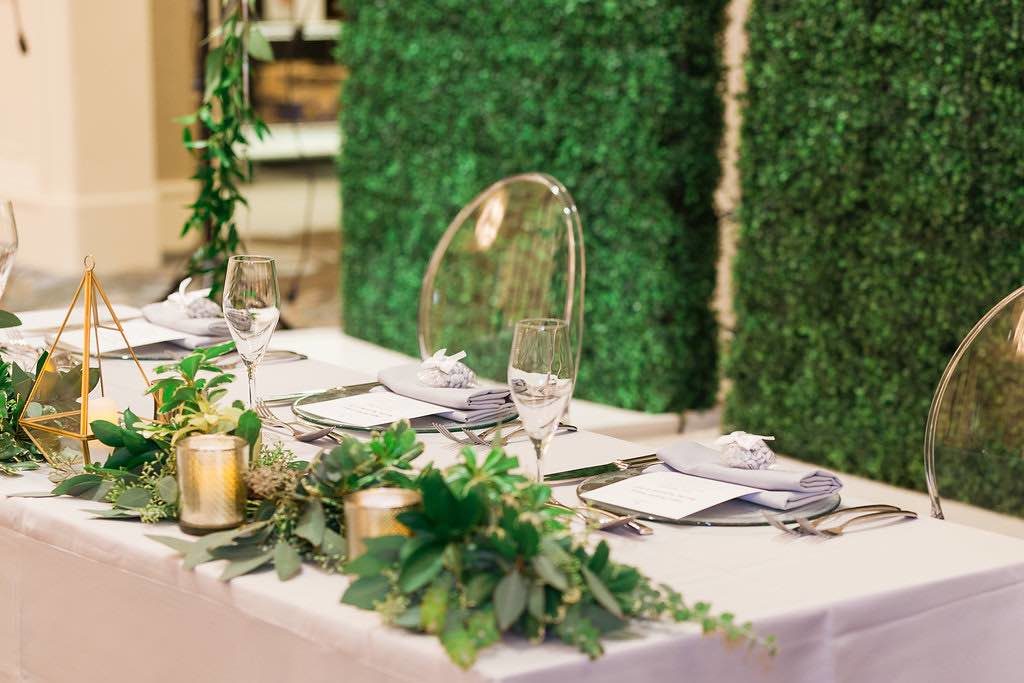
[(8, 242), (541, 376), (251, 309)]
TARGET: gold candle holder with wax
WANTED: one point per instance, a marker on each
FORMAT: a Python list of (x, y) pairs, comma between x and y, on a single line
[(211, 482), (374, 512)]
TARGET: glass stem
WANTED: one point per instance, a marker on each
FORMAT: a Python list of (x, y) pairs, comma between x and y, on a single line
[(539, 448), (250, 369)]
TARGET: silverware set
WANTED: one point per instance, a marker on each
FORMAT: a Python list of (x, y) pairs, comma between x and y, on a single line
[(604, 520), (483, 438), (299, 429), (824, 527)]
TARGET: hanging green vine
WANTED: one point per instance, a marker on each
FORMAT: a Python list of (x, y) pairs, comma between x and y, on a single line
[(223, 114)]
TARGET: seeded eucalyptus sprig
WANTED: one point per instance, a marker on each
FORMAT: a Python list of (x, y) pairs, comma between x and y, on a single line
[(489, 556), (300, 517)]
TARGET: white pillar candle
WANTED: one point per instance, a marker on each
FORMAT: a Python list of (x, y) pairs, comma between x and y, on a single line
[(101, 408)]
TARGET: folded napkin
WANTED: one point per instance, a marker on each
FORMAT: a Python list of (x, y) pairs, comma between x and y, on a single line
[(403, 380), (506, 411), (783, 489), (197, 331)]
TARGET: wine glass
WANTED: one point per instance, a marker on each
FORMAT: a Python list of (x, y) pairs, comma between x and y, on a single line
[(8, 242), (251, 309), (541, 376)]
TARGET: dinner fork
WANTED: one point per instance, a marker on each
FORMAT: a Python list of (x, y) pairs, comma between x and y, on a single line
[(614, 521), (447, 433), (304, 435), (838, 530), (796, 530), (483, 438)]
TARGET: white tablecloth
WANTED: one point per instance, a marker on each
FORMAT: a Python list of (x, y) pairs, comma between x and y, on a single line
[(91, 600)]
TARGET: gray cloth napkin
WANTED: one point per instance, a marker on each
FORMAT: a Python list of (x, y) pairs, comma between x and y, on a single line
[(169, 314), (402, 380), (783, 489)]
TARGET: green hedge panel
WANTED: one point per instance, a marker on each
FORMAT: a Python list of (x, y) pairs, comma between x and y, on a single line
[(618, 100), (882, 165)]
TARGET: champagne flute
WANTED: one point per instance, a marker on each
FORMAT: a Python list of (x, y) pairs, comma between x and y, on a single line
[(8, 242), (541, 376), (251, 309)]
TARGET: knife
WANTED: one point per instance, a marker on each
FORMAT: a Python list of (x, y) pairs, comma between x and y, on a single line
[(616, 466), (336, 392)]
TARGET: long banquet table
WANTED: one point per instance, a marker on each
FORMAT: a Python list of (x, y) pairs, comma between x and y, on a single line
[(83, 599)]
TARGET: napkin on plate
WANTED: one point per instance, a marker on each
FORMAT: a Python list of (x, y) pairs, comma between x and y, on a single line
[(403, 380), (783, 489), (197, 331)]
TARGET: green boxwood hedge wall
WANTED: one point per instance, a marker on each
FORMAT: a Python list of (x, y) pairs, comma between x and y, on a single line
[(617, 99), (882, 165)]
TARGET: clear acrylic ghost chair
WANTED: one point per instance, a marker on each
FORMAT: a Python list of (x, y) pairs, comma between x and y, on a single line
[(514, 252), (974, 438)]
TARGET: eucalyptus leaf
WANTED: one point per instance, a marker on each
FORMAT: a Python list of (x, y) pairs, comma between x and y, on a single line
[(312, 523), (551, 574), (333, 543), (115, 513), (180, 545), (510, 599), (167, 489), (136, 497), (287, 561), (601, 593), (366, 591), (240, 567)]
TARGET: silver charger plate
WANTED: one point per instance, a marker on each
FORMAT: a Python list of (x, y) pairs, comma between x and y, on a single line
[(305, 408), (730, 513)]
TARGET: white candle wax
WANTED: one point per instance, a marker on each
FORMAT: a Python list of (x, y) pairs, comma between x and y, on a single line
[(101, 408)]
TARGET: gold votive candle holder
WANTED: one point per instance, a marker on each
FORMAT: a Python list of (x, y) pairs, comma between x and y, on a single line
[(211, 483), (374, 512)]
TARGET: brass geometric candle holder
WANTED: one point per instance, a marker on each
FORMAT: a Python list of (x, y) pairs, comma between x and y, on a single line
[(64, 397)]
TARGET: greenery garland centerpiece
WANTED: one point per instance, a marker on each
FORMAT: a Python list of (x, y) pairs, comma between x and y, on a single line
[(296, 510), (224, 113), (489, 556), (139, 478)]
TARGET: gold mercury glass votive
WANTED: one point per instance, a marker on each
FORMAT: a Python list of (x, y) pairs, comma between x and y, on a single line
[(374, 512), (211, 483)]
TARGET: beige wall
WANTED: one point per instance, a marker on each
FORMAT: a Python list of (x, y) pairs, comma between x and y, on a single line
[(85, 149), (174, 39)]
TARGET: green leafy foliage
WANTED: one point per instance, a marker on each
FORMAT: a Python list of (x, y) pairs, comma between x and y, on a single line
[(882, 216), (618, 100), (297, 513), (223, 114), (17, 451), (488, 556), (140, 476)]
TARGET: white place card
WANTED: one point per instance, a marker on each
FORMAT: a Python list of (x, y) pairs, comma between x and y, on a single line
[(672, 495), (51, 318), (139, 333), (375, 408)]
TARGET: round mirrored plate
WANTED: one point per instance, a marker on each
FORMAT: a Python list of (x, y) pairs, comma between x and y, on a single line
[(730, 513), (306, 408)]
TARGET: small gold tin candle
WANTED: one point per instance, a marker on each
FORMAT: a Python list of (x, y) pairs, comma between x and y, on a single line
[(374, 512), (211, 483)]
